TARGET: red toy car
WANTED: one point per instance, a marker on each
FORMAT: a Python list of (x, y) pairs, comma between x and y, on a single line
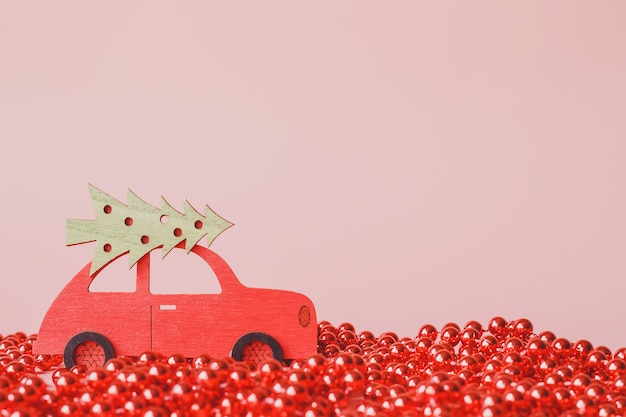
[(89, 328)]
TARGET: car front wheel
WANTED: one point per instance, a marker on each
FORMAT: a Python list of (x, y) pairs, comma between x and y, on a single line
[(257, 347), (88, 349)]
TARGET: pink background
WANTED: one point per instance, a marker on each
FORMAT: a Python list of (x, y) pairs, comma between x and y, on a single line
[(401, 164)]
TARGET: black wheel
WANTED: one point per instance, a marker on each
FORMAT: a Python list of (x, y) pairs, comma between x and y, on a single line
[(88, 349), (257, 347)]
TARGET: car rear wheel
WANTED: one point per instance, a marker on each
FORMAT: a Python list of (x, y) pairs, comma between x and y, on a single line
[(257, 347), (88, 349)]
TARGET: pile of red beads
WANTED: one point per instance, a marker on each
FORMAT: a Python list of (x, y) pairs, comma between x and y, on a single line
[(502, 369)]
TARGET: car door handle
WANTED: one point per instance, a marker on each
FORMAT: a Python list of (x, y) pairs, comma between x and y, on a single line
[(167, 307)]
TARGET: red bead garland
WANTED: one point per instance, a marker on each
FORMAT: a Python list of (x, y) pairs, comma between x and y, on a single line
[(501, 369)]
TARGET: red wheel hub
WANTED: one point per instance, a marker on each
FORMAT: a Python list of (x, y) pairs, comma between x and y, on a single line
[(257, 352), (89, 354)]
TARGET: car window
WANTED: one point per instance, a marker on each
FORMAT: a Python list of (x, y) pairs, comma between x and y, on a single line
[(115, 277), (181, 273)]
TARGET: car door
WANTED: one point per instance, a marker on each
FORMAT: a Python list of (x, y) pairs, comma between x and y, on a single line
[(184, 307)]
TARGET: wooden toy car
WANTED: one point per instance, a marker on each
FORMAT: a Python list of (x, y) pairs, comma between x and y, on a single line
[(89, 328)]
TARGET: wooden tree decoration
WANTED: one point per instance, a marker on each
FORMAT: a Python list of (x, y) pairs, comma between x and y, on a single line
[(137, 228)]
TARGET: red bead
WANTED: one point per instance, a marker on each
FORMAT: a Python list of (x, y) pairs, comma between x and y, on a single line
[(134, 406), (492, 365), (16, 370), (470, 400), (182, 392), (450, 335), (607, 410), (387, 339), (488, 344), (345, 338), (398, 352), (201, 361), (595, 390), (596, 359), (473, 324), (422, 346), (606, 351), (159, 373), (155, 412), (553, 379), (332, 350), (540, 395), (443, 360), (115, 365), (502, 380), (68, 408), (97, 378), (451, 324), (522, 329), (514, 344), (469, 337), (152, 395), (582, 348), (620, 402), (102, 408), (561, 348), (536, 348), (326, 338), (429, 331), (468, 362), (547, 336), (366, 336), (33, 381), (616, 366), (497, 326), (467, 350), (515, 371), (545, 366), (620, 353), (356, 349), (66, 382), (346, 326), (46, 362), (149, 357), (323, 324), (176, 360), (579, 382)]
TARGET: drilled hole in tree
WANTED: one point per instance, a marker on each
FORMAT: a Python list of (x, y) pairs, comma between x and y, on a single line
[(145, 239), (198, 224), (107, 209), (164, 219), (107, 247), (128, 221), (178, 232)]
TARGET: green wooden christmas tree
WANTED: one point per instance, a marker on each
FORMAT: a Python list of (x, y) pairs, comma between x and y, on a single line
[(137, 228)]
